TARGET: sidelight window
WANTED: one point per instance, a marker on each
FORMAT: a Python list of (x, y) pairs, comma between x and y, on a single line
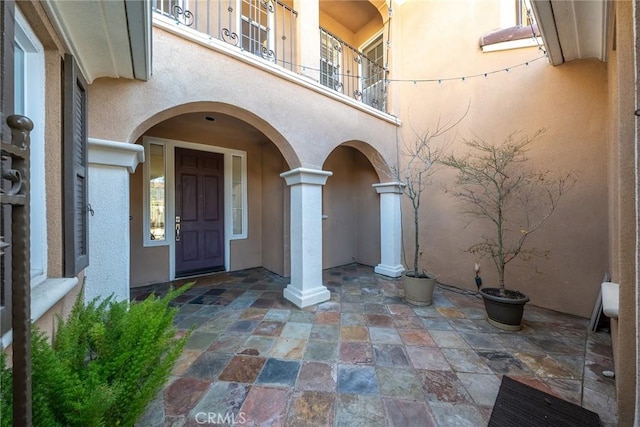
[(155, 192)]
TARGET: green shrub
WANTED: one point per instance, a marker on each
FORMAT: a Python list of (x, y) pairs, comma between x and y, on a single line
[(107, 362)]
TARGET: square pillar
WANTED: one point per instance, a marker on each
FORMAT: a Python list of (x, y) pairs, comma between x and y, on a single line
[(390, 228), (110, 164), (306, 287), (308, 38)]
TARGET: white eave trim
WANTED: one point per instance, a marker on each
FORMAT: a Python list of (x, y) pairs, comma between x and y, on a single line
[(543, 12), (139, 17), (108, 38), (573, 29)]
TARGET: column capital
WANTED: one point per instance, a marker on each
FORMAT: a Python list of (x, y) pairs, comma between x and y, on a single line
[(390, 187), (113, 153), (306, 176)]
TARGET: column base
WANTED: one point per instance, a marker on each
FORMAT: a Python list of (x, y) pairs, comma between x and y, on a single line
[(306, 298), (389, 270)]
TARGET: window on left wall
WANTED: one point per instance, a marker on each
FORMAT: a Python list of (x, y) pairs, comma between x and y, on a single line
[(29, 76)]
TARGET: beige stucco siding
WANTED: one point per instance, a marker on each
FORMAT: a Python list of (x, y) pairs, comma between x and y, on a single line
[(301, 127), (53, 172), (300, 122), (305, 127), (623, 88), (569, 101), (275, 208)]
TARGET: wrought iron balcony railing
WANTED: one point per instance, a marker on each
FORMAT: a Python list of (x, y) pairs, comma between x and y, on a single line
[(266, 28), (347, 70)]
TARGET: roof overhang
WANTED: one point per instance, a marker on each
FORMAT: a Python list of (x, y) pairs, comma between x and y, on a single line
[(572, 29), (109, 38)]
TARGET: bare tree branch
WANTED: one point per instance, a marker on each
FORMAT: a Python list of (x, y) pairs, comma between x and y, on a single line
[(494, 184), (421, 158)]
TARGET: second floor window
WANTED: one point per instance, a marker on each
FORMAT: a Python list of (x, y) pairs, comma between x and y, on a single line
[(374, 67), (257, 23)]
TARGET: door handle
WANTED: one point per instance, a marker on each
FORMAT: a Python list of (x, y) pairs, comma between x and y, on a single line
[(177, 232)]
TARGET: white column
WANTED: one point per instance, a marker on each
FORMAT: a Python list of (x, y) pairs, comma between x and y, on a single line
[(390, 229), (308, 38), (306, 287), (110, 164)]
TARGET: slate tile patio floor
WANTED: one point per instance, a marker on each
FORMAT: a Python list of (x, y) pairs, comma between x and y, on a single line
[(364, 358)]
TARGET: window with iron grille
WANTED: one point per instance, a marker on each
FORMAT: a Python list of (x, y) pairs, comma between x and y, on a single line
[(329, 61), (257, 23), (373, 70)]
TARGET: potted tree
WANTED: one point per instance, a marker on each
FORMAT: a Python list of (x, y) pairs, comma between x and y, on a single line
[(422, 156), (494, 185)]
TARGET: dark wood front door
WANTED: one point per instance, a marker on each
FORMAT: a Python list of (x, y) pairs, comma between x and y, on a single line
[(199, 212)]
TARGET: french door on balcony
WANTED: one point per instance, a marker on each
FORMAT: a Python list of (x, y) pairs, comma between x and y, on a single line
[(257, 28), (372, 72), (330, 57)]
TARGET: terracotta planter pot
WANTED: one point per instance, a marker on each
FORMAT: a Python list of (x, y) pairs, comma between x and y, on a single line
[(504, 312), (419, 290)]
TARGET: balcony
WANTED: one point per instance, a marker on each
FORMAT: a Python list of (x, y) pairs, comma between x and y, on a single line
[(268, 28)]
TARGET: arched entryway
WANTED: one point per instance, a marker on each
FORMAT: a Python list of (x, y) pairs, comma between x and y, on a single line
[(351, 224), (209, 197), (362, 210)]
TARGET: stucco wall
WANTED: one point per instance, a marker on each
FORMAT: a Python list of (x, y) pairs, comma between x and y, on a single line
[(623, 88), (275, 207), (53, 54), (108, 272), (338, 204), (148, 264), (351, 231), (299, 125), (305, 126), (367, 211), (569, 101), (299, 121)]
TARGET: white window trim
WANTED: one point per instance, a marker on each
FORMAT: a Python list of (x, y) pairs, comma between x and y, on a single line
[(513, 44), (146, 220), (43, 297), (45, 292), (228, 195), (369, 44), (169, 151), (35, 109)]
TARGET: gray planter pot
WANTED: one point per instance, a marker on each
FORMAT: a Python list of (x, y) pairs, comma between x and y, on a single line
[(419, 290), (504, 312)]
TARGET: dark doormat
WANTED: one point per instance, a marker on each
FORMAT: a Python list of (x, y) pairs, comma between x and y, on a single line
[(520, 405)]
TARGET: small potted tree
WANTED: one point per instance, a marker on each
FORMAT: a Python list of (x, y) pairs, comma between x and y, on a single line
[(494, 185), (422, 156)]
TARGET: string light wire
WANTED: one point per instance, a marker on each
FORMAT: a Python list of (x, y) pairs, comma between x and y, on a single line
[(484, 74)]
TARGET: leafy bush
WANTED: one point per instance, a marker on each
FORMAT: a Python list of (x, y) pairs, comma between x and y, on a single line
[(108, 360)]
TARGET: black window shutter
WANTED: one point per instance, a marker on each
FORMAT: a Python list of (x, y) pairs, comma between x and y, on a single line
[(76, 230)]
